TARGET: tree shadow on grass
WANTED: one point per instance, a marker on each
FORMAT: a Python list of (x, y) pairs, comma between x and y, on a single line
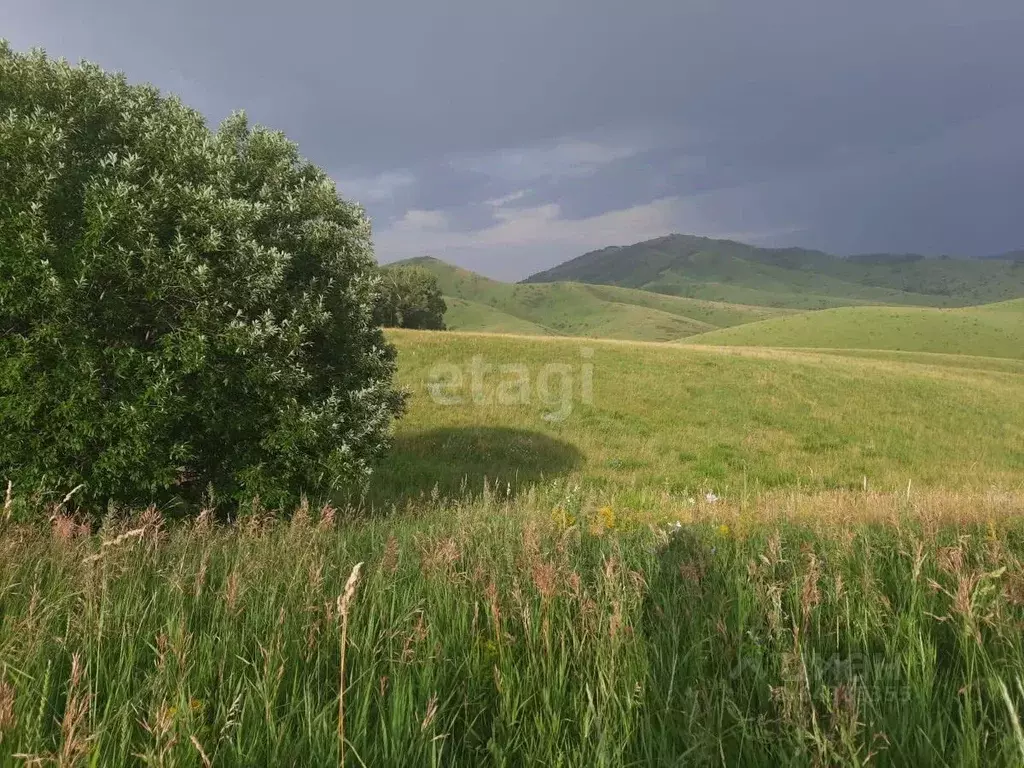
[(454, 462)]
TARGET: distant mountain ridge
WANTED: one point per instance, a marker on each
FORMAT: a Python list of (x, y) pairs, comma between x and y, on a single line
[(730, 271)]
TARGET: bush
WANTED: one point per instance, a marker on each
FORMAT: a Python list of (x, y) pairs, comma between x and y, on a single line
[(410, 297), (178, 307)]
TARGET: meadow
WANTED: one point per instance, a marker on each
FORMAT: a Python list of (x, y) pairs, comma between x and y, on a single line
[(698, 556), (682, 419), (839, 629), (989, 330)]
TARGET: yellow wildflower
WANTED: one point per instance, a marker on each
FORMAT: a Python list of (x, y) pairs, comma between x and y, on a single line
[(562, 517)]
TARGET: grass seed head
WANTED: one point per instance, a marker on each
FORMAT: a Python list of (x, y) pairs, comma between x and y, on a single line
[(431, 713), (7, 722), (389, 561), (349, 593), (232, 591), (74, 738), (545, 579), (328, 515)]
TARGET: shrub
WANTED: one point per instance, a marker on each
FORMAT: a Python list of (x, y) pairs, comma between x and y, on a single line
[(178, 307), (410, 297)]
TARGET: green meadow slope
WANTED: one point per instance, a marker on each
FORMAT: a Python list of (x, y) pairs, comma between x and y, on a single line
[(726, 270), (994, 330), (678, 418), (474, 316), (477, 303)]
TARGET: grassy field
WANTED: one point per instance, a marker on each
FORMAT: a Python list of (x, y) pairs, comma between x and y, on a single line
[(601, 554), (994, 330), (676, 419)]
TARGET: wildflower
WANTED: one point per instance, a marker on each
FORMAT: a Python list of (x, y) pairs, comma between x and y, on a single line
[(723, 531), (562, 517), (674, 528), (490, 650), (607, 517), (991, 530), (710, 498)]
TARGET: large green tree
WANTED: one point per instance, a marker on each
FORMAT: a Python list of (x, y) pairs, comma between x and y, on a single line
[(178, 306), (410, 297)]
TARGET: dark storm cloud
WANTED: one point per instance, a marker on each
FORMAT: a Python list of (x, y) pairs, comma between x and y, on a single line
[(849, 126)]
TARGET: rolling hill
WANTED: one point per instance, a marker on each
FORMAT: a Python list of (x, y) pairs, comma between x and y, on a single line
[(994, 330), (477, 303), (725, 270)]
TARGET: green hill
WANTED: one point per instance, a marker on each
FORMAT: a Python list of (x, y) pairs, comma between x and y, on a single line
[(477, 303), (725, 270), (994, 330), (470, 315)]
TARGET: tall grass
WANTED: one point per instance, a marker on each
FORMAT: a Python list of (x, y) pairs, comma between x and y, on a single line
[(551, 628)]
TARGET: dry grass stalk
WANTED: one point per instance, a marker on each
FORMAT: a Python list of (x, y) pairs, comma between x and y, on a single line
[(430, 714), (74, 738), (493, 601), (8, 503), (138, 533), (810, 594), (301, 518), (202, 753), (204, 522), (161, 729), (389, 562), (344, 605), (66, 528), (413, 639), (231, 591), (545, 578), (7, 721), (327, 517), (438, 557)]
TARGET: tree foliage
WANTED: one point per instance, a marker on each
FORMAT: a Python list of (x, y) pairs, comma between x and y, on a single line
[(178, 306), (410, 297)]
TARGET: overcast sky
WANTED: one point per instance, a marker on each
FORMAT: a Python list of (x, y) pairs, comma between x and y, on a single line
[(511, 136)]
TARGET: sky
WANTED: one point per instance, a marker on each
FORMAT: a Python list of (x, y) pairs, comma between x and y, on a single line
[(508, 137)]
